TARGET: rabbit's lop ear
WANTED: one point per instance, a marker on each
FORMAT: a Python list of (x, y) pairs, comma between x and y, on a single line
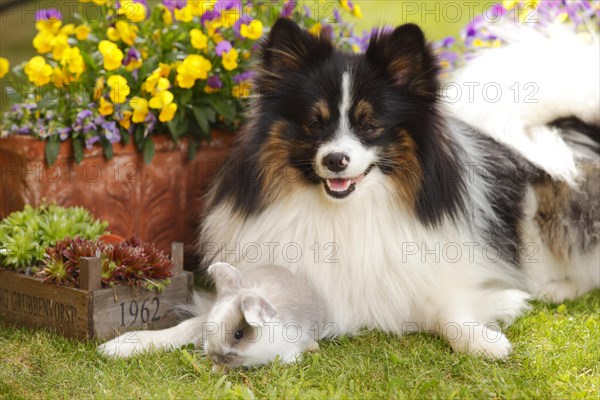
[(228, 279), (257, 310)]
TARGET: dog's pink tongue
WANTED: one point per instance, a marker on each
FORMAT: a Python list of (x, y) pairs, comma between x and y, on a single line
[(338, 184)]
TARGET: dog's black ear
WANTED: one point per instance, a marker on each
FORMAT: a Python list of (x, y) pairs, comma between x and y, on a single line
[(290, 48), (405, 55)]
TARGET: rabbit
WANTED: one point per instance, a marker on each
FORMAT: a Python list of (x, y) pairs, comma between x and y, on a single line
[(261, 314)]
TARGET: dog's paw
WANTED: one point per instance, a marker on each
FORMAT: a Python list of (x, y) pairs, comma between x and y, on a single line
[(558, 291), (485, 342), (126, 345)]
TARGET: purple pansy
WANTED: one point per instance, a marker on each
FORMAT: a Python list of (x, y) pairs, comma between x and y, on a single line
[(63, 133), (174, 4), (223, 47), (244, 19), (48, 14), (214, 82), (244, 76), (288, 8), (131, 55), (89, 142)]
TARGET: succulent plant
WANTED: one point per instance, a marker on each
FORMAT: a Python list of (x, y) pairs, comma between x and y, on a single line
[(130, 262), (25, 235)]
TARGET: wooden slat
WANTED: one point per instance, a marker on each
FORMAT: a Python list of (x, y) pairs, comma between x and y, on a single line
[(120, 309), (29, 302), (177, 257), (90, 273)]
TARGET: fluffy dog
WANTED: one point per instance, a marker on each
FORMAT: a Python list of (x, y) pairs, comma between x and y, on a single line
[(404, 219)]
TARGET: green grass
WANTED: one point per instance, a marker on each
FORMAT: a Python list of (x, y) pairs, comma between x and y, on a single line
[(556, 355)]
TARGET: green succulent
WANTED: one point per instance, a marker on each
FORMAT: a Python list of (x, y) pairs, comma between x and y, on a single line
[(25, 235)]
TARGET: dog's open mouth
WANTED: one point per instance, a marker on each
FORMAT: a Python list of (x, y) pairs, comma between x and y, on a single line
[(342, 187)]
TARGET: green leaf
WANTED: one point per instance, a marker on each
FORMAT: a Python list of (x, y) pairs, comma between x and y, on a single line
[(148, 150), (52, 148), (108, 150), (185, 97), (77, 150), (125, 137), (202, 120), (226, 108), (210, 114), (192, 149), (138, 137)]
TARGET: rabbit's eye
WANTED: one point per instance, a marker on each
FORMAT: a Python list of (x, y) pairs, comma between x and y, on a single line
[(239, 334)]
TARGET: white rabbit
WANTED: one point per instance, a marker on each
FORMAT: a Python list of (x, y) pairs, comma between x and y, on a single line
[(265, 313)]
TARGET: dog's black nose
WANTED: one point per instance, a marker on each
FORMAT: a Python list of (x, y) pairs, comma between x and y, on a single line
[(336, 162)]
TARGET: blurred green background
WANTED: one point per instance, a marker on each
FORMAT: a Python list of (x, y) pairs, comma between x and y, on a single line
[(438, 18)]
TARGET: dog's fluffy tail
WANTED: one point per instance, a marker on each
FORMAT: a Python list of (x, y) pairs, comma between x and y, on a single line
[(523, 88)]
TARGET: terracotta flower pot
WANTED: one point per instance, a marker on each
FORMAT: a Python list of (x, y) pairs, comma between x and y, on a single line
[(160, 202)]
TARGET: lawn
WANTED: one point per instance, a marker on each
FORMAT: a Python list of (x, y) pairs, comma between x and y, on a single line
[(556, 355)]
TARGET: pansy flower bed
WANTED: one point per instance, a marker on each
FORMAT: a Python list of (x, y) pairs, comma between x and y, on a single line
[(135, 70)]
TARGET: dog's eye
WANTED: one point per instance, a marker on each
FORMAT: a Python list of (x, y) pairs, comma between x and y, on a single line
[(239, 334), (314, 125), (369, 127)]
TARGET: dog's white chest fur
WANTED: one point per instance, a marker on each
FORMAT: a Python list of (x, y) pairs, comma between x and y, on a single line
[(376, 265)]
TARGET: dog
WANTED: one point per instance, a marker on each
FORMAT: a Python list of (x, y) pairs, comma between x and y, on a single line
[(352, 174)]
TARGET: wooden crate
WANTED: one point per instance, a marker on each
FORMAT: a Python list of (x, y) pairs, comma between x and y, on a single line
[(91, 312)]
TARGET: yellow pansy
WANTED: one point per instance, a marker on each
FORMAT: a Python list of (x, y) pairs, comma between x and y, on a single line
[(561, 18), (230, 17), (51, 25), (43, 42), (60, 44), (316, 29), (242, 90), (230, 60), (113, 56), (157, 81), (357, 12), (98, 88), (161, 100), (163, 70), (184, 14), (73, 60), (68, 29), (133, 11), (199, 39), (212, 26), (167, 16), (167, 113), (4, 66), (193, 67), (112, 34), (38, 71), (119, 89), (59, 78), (134, 64), (163, 84), (217, 38), (199, 7), (510, 4), (82, 32), (127, 32), (253, 30), (105, 107), (478, 43), (139, 106), (125, 122)]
